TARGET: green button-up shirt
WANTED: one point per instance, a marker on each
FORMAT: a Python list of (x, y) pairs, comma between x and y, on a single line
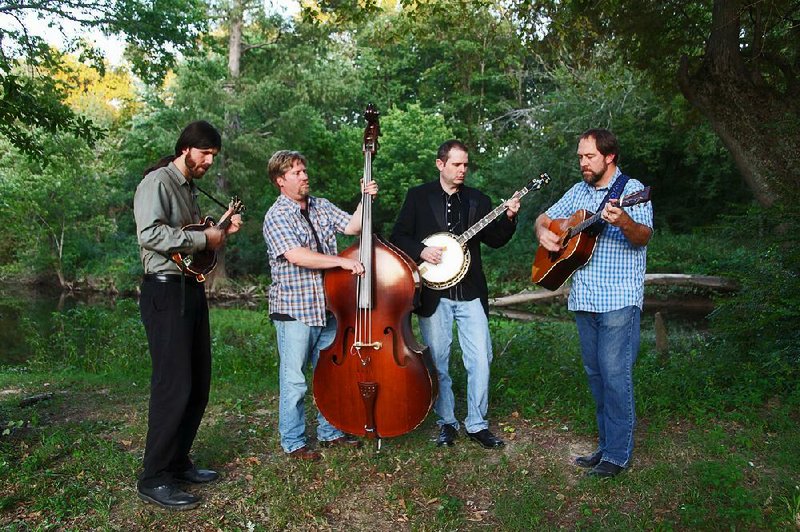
[(165, 201)]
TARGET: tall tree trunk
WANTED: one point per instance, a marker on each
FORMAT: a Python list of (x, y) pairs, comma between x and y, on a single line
[(757, 124), (235, 41), (219, 278)]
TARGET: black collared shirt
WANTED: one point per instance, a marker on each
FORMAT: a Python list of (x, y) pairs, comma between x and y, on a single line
[(456, 211)]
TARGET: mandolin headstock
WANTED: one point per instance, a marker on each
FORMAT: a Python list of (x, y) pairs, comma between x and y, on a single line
[(236, 206)]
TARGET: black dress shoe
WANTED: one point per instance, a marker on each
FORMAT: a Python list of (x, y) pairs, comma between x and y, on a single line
[(605, 470), (447, 436), (170, 497), (590, 460), (486, 438), (196, 476)]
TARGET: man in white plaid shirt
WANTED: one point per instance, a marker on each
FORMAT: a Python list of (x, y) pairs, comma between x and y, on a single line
[(300, 232), (606, 295)]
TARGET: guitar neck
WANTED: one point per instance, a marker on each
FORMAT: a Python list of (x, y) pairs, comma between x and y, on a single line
[(489, 218), (586, 223), (630, 200)]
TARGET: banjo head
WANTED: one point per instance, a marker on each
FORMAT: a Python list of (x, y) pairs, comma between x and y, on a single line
[(452, 268)]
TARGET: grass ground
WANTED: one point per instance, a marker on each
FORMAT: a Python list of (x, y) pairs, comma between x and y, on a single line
[(707, 456)]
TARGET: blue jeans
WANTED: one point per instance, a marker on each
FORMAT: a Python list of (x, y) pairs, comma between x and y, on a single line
[(476, 349), (298, 344), (609, 346)]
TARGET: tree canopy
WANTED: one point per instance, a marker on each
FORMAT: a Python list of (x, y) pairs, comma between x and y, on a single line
[(32, 100)]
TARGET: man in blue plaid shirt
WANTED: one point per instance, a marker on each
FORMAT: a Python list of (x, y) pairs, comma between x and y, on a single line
[(300, 232), (606, 295)]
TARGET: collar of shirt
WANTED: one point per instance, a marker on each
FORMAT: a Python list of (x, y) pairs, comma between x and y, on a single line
[(285, 203), (456, 195), (177, 175)]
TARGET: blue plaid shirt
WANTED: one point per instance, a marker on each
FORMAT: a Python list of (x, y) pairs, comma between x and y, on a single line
[(614, 276), (295, 291)]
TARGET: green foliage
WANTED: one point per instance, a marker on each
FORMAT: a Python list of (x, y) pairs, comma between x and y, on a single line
[(93, 339), (111, 341), (463, 60), (406, 157), (692, 177), (65, 203), (537, 368), (766, 261), (31, 107), (722, 496), (32, 101), (243, 348)]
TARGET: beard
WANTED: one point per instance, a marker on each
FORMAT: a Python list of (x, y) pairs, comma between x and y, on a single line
[(591, 177), (195, 171)]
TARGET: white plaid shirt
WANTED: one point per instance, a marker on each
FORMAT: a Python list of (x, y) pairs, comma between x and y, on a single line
[(614, 276), (296, 291)]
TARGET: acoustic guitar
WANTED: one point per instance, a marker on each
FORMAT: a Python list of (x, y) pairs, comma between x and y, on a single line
[(577, 238), (456, 257), (203, 262)]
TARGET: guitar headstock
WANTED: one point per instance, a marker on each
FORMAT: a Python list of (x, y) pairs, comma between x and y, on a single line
[(643, 196), (373, 129), (236, 206)]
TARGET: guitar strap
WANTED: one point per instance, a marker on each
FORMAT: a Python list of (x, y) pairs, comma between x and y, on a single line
[(305, 214), (614, 192)]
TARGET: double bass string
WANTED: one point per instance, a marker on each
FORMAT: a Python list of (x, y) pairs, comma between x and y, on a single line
[(364, 283)]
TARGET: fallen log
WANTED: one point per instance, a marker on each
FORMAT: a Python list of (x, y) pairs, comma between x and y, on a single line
[(659, 279), (683, 279)]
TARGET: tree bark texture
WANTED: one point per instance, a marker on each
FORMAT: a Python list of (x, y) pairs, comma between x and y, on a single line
[(756, 122)]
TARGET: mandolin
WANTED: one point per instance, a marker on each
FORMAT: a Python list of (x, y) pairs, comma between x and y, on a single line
[(552, 268), (203, 262)]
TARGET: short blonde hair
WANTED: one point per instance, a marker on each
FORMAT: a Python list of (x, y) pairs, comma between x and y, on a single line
[(281, 162)]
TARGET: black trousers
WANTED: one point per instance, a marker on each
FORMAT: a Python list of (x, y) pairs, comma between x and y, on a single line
[(180, 351)]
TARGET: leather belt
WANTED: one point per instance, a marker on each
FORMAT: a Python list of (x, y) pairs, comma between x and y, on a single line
[(169, 278)]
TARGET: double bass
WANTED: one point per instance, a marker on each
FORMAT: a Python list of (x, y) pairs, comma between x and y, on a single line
[(374, 380)]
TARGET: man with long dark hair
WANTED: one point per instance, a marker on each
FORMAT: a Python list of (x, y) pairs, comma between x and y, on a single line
[(175, 315)]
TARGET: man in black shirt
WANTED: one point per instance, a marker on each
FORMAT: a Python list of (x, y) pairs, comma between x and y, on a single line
[(447, 205)]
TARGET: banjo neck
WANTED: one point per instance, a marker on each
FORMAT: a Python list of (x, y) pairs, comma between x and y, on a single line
[(534, 184)]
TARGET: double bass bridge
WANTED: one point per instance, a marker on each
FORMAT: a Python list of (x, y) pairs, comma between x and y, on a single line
[(358, 346), (373, 345)]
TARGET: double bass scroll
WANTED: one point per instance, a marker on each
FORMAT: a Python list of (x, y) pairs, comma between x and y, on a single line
[(373, 380)]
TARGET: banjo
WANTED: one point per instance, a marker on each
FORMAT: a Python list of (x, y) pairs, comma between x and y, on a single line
[(456, 257)]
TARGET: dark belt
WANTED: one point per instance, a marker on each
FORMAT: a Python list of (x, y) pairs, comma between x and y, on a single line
[(169, 278)]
